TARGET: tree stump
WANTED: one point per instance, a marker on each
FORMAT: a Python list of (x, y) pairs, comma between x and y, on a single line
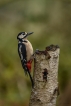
[(45, 77)]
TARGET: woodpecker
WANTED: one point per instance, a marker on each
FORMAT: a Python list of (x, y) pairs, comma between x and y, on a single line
[(25, 51)]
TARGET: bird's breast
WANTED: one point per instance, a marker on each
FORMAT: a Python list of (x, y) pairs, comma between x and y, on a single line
[(29, 50)]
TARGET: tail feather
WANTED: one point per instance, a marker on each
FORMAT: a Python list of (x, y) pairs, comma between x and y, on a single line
[(31, 78)]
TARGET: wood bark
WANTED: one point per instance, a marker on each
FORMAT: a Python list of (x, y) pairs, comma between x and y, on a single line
[(45, 78)]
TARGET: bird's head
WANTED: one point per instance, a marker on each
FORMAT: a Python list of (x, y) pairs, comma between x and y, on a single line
[(23, 35)]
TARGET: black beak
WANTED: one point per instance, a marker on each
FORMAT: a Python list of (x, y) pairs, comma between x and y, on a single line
[(29, 33)]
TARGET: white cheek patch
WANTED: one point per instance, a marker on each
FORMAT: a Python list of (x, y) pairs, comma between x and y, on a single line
[(21, 36), (25, 33)]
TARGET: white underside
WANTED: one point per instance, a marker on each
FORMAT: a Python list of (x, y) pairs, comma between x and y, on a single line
[(29, 49)]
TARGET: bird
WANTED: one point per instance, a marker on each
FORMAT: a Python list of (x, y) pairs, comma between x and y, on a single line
[(25, 51)]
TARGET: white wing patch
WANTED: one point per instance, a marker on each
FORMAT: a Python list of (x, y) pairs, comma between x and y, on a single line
[(20, 52)]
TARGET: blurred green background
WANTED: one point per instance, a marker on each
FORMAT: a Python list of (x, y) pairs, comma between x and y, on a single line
[(50, 20)]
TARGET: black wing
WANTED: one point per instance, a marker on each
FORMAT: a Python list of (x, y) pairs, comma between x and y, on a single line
[(22, 54), (22, 51)]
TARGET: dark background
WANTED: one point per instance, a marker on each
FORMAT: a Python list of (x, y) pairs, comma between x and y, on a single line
[(50, 20)]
